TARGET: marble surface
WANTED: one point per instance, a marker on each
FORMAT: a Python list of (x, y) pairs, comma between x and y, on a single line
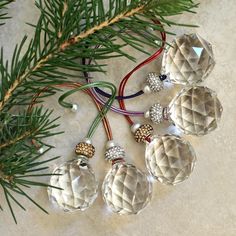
[(205, 205)]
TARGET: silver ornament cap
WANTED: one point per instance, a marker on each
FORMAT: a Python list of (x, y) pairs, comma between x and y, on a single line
[(153, 83), (114, 153), (155, 113)]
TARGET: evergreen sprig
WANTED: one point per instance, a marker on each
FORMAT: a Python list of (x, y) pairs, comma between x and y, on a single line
[(18, 157), (3, 11), (66, 32), (70, 29)]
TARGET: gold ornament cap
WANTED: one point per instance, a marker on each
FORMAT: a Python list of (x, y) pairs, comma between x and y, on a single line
[(142, 132), (85, 148)]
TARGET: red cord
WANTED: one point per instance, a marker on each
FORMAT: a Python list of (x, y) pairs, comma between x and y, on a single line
[(145, 62)]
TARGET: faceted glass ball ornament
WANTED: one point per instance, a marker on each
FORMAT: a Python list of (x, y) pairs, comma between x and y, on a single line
[(188, 60), (79, 185), (169, 159), (196, 110), (126, 189)]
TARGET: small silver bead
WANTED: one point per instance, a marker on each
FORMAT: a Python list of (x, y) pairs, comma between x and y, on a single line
[(134, 127), (110, 144), (147, 114), (149, 29), (87, 140), (114, 152), (156, 113), (41, 150), (154, 82), (158, 42), (147, 89), (74, 108)]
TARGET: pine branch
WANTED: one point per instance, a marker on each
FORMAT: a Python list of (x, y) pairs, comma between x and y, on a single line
[(3, 14), (29, 126), (18, 157), (55, 47)]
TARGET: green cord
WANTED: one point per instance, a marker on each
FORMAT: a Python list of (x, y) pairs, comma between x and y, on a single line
[(105, 109)]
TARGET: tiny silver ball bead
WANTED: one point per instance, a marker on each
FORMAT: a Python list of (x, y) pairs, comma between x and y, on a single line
[(158, 42), (134, 127), (147, 114), (74, 108), (149, 29), (110, 144), (87, 140), (147, 89), (41, 150)]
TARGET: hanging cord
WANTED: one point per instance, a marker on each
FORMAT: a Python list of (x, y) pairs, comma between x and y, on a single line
[(107, 95), (101, 100), (127, 77), (98, 91), (104, 110), (120, 110), (105, 121)]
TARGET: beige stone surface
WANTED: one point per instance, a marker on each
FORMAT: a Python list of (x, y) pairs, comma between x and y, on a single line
[(205, 205)]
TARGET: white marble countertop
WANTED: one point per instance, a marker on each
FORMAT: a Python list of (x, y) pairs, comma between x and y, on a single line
[(205, 205)]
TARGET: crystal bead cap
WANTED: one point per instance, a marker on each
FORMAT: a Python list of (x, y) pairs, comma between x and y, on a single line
[(196, 110), (188, 60), (156, 113), (126, 190), (154, 82), (78, 183), (170, 159), (114, 153)]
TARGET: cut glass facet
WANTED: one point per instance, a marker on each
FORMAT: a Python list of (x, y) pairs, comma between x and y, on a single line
[(78, 183), (188, 60), (126, 190), (195, 110), (170, 159)]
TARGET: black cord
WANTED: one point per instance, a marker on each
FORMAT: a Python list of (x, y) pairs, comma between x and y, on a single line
[(107, 95), (119, 97)]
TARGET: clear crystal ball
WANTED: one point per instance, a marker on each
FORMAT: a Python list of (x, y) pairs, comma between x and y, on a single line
[(188, 60), (170, 159), (196, 110), (78, 183), (126, 189)]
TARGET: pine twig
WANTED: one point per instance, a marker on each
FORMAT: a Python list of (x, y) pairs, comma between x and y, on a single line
[(3, 7), (64, 49), (64, 46), (17, 139)]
